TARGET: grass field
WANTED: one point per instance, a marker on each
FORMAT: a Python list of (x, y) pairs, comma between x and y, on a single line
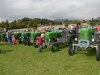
[(26, 60)]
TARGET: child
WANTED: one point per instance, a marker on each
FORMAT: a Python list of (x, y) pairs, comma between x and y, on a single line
[(13, 40), (40, 41)]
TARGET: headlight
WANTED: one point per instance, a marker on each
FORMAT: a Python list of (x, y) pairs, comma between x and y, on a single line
[(92, 39), (75, 39)]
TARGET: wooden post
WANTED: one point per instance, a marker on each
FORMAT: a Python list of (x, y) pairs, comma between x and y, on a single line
[(77, 32)]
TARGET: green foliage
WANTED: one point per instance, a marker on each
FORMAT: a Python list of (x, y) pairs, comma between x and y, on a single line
[(25, 23)]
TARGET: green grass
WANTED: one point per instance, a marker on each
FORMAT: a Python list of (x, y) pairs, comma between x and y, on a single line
[(26, 60)]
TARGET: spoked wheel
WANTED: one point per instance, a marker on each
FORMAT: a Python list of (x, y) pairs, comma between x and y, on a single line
[(98, 54), (71, 51), (54, 47)]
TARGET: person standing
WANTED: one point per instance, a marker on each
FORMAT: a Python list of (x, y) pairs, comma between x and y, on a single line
[(73, 31), (9, 36), (40, 40)]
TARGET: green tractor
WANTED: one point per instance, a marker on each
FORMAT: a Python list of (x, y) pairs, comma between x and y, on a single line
[(87, 38), (25, 36), (33, 38), (55, 39), (17, 36), (3, 37)]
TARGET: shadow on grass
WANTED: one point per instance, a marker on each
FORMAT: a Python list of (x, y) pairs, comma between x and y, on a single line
[(5, 51), (5, 43), (60, 48), (88, 52)]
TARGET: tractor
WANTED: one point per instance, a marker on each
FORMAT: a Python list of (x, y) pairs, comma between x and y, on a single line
[(25, 36), (86, 39), (3, 37), (17, 36), (33, 38), (55, 39)]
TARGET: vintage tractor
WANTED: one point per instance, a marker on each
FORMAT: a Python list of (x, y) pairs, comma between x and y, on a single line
[(17, 36), (55, 39), (25, 36), (33, 38), (87, 38), (3, 37)]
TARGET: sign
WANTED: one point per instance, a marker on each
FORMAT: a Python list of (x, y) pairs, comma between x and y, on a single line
[(84, 44)]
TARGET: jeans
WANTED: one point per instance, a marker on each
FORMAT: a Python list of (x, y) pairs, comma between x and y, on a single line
[(40, 47), (9, 40)]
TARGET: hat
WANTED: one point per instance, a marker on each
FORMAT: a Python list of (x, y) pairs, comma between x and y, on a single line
[(42, 35)]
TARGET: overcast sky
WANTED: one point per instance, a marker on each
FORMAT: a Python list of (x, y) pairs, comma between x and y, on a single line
[(50, 9)]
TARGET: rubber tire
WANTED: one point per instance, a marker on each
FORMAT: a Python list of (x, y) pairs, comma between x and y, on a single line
[(24, 42), (70, 38), (98, 54), (54, 47), (28, 42), (71, 52)]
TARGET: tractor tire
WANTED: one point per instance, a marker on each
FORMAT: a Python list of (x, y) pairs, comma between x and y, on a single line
[(71, 52), (28, 42), (25, 43), (54, 47), (98, 54), (71, 39)]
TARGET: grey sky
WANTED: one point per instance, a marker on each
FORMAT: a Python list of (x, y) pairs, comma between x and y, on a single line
[(51, 9)]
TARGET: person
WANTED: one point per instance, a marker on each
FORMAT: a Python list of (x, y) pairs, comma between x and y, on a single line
[(73, 31), (9, 36), (40, 40), (14, 40)]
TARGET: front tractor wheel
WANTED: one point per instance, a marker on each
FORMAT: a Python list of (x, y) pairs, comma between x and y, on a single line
[(98, 54), (54, 47), (70, 50)]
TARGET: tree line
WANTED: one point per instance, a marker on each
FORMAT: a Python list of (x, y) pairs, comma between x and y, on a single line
[(27, 23), (35, 22)]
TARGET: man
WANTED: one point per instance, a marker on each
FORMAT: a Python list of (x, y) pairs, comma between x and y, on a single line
[(73, 31), (9, 36)]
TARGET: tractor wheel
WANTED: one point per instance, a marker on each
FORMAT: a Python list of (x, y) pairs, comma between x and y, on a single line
[(98, 54), (70, 50), (71, 39), (54, 47), (24, 42), (28, 42)]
